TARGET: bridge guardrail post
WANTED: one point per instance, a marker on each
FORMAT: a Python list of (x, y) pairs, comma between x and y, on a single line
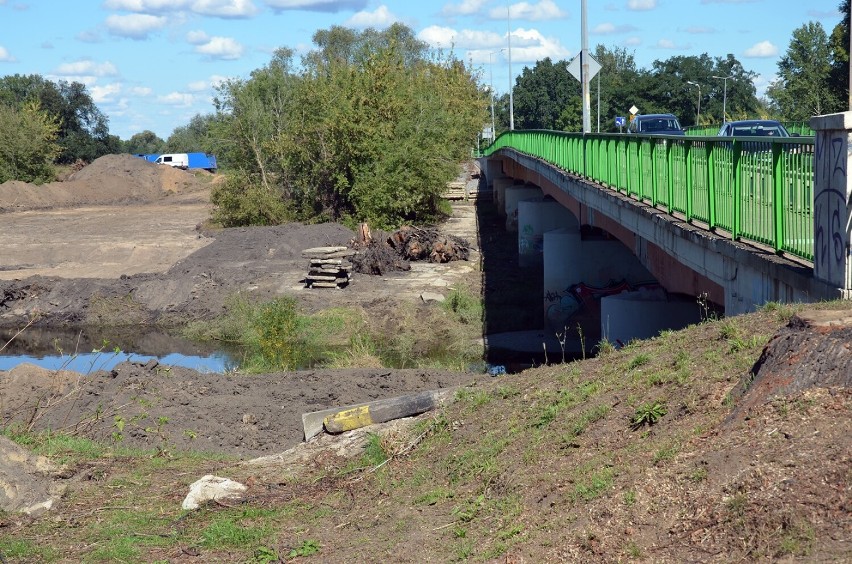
[(833, 200)]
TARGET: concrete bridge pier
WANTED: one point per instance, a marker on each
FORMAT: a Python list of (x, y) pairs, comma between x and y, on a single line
[(493, 169)]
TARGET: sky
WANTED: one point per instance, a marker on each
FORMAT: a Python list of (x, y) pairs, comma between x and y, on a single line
[(154, 64)]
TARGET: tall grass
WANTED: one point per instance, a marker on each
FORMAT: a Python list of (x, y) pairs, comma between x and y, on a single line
[(275, 335)]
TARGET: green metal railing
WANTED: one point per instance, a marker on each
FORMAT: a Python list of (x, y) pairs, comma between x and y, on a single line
[(753, 188), (794, 127)]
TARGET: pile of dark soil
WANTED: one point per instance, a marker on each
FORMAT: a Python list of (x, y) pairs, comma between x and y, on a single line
[(155, 406)]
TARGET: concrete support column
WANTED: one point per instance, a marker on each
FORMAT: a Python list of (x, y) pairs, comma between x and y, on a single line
[(833, 201), (498, 195), (493, 169), (515, 194), (537, 216)]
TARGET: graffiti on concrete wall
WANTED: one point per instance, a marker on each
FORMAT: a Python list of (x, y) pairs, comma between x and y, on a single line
[(832, 210), (582, 299)]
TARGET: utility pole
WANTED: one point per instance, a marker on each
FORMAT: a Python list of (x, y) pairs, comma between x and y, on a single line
[(724, 95), (698, 116), (491, 67), (511, 81), (584, 70)]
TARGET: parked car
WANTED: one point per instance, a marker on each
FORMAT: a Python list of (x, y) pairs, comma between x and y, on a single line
[(655, 124), (753, 128)]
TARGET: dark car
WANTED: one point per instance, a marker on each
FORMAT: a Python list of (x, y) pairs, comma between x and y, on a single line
[(753, 128), (655, 124)]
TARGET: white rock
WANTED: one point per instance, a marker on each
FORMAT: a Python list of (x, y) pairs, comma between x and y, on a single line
[(212, 487)]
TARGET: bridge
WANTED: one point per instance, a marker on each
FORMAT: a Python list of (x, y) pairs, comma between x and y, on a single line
[(640, 229)]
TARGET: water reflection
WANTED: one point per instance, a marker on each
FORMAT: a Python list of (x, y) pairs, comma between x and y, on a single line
[(91, 349)]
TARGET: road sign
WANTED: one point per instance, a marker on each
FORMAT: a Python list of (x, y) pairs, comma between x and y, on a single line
[(633, 110), (574, 67), (620, 121)]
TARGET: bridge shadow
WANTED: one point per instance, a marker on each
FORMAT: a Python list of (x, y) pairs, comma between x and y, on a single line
[(513, 318)]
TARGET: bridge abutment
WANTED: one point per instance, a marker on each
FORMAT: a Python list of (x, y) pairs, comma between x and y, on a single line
[(833, 201)]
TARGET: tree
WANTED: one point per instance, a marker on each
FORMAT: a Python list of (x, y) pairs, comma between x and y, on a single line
[(195, 136), (803, 88), (27, 143), (839, 47), (144, 143), (370, 128), (542, 93), (83, 128), (666, 88)]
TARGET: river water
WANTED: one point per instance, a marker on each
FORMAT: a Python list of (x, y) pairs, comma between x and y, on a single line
[(89, 350)]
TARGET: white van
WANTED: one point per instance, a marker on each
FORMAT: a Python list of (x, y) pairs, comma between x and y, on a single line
[(179, 160)]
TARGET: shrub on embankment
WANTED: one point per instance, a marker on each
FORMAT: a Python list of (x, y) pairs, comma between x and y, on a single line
[(370, 128)]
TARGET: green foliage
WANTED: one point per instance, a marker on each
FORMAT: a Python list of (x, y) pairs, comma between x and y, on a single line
[(308, 547), (804, 88), (145, 143), (242, 200), (274, 335), (594, 485), (375, 452), (370, 128), (83, 131), (648, 414), (28, 144), (193, 137), (467, 308), (235, 531)]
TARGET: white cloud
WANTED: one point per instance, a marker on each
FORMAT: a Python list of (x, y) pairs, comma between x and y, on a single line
[(671, 45), (446, 37), (177, 99), (764, 49), (141, 91), (5, 56), (633, 41), (217, 79), (329, 6), (87, 68), (225, 8), (103, 94), (197, 37), (534, 47), (641, 5), (463, 8), (543, 10), (134, 26), (380, 18), (197, 86), (224, 48), (698, 29), (145, 6), (608, 28)]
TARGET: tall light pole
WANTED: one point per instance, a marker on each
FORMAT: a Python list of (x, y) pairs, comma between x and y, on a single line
[(491, 89), (724, 95), (511, 82), (698, 116), (584, 68)]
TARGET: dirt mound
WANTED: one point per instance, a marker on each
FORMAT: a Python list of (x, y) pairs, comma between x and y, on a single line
[(813, 350), (111, 179), (162, 407)]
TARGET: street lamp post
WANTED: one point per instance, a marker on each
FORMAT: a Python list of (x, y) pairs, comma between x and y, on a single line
[(491, 89), (511, 82), (724, 95), (698, 116)]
